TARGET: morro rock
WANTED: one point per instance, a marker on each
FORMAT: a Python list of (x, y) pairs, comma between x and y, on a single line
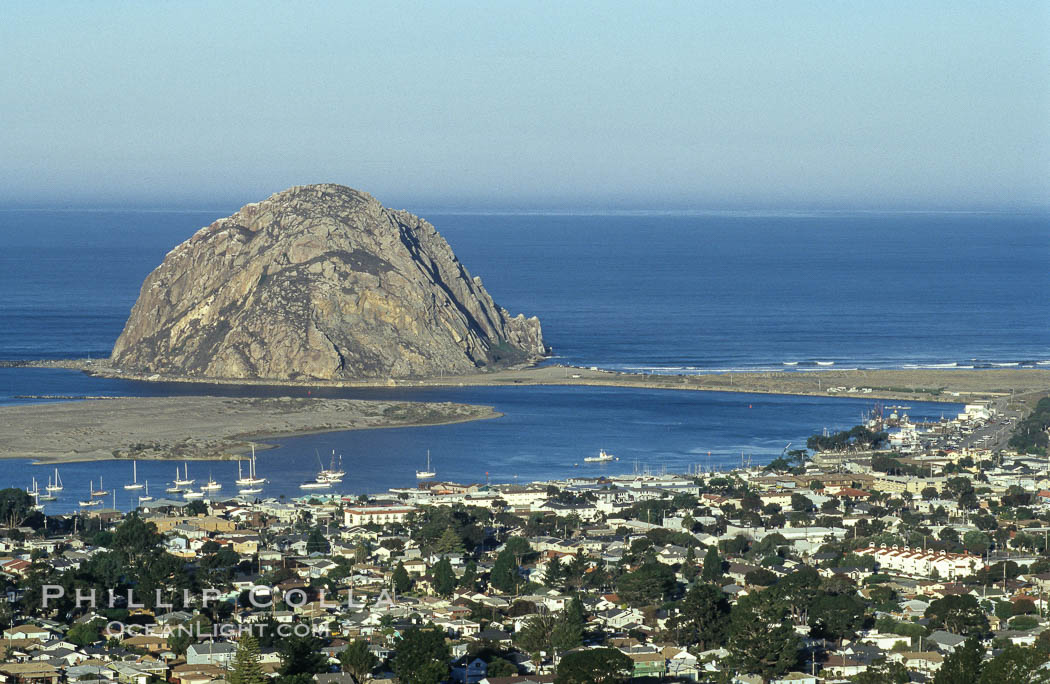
[(319, 281)]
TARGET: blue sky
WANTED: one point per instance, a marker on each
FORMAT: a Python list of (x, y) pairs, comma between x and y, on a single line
[(511, 105)]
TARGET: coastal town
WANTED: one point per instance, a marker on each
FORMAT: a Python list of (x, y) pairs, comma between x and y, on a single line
[(891, 552)]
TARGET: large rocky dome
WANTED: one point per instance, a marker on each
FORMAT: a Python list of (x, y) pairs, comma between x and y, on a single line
[(319, 281)]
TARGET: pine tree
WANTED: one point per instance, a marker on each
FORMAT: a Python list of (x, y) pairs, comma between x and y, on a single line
[(470, 576), (504, 575), (450, 542), (444, 578), (689, 568), (553, 575), (402, 582), (246, 668), (358, 660), (712, 566)]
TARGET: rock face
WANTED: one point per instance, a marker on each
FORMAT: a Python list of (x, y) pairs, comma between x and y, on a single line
[(319, 281)]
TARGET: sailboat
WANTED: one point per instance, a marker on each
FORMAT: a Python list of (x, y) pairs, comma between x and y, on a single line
[(428, 473), (57, 485), (212, 485), (146, 496), (134, 477), (35, 493), (331, 474), (185, 479), (100, 491), (90, 502), (175, 487), (252, 479)]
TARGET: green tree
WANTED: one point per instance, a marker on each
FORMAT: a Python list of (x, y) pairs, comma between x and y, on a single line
[(402, 582), (976, 542), (84, 633), (358, 660), (450, 542), (316, 542), (761, 638), (837, 616), (703, 617), (649, 584), (246, 668), (179, 641), (501, 668), (554, 573), (469, 579), (15, 506), (1015, 665), (444, 578), (301, 655), (958, 614), (422, 656), (883, 673), (594, 666), (712, 566), (504, 575), (963, 665), (690, 569)]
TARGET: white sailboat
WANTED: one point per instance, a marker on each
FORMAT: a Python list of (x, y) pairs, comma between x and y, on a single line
[(175, 487), (146, 496), (212, 485), (331, 473), (253, 477), (57, 485), (134, 477), (90, 501), (34, 492), (185, 480), (101, 491), (428, 473)]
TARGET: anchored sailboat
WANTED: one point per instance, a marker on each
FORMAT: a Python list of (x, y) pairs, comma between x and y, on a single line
[(428, 473), (91, 501), (57, 485), (185, 480), (101, 491), (134, 477), (252, 479)]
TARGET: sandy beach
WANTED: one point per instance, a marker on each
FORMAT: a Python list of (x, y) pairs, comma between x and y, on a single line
[(948, 385), (198, 427)]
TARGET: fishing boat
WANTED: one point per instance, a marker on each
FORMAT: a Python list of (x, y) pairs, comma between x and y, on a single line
[(101, 491), (134, 477), (602, 457), (146, 496), (57, 485), (428, 473), (212, 485), (90, 502), (253, 478), (185, 479)]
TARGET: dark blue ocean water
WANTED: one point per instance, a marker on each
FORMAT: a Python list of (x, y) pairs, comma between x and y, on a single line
[(669, 293), (681, 293)]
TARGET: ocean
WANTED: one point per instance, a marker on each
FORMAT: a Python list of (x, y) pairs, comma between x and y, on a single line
[(662, 293)]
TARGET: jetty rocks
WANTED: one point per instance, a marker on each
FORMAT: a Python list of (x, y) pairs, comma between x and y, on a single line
[(319, 282)]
